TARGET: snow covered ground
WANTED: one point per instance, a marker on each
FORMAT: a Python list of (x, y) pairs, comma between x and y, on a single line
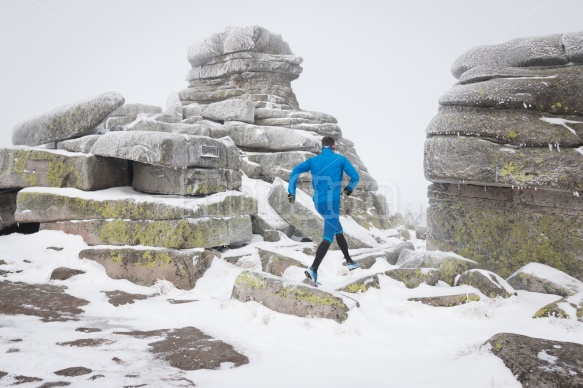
[(386, 342)]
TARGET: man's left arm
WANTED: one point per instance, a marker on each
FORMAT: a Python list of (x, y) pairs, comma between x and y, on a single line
[(352, 173)]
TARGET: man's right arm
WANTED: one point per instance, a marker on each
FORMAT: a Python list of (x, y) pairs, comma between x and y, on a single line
[(295, 174)]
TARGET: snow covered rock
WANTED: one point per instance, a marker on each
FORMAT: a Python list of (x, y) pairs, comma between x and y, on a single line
[(452, 159), (305, 219), (447, 300), (7, 209), (289, 297), (49, 302), (162, 149), (148, 124), (521, 52), (67, 121), (134, 109), (184, 181), (145, 265), (449, 264), (188, 348), (82, 144), (67, 204), (262, 114), (570, 307), (64, 273), (276, 263), (414, 277), (539, 362), (487, 282), (28, 167), (260, 138), (230, 110), (508, 126), (536, 277), (517, 111), (188, 233), (546, 90), (174, 107), (390, 254), (192, 110), (362, 284)]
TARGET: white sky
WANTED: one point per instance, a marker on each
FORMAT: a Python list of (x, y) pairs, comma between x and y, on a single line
[(377, 66)]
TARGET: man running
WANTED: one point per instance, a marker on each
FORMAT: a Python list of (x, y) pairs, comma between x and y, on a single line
[(327, 169)]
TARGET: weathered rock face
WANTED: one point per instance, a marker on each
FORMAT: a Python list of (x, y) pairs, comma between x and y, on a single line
[(504, 154), (204, 232), (449, 264), (28, 167), (540, 362), (289, 298), (66, 121), (144, 266), (487, 282)]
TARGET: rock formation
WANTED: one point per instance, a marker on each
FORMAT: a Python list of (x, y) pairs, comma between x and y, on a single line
[(150, 186), (504, 155)]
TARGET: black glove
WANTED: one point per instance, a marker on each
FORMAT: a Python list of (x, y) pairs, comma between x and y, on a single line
[(347, 191), (291, 198)]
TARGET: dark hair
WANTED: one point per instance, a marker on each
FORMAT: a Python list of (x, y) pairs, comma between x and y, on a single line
[(327, 141)]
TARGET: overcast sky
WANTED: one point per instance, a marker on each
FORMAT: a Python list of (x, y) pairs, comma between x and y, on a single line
[(377, 66)]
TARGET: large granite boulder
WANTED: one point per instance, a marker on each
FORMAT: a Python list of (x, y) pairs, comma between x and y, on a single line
[(570, 307), (487, 282), (278, 139), (67, 121), (289, 297), (449, 264), (207, 232), (504, 229), (230, 110), (67, 204), (28, 167), (249, 63), (303, 216), (508, 126), (451, 159), (144, 265), (536, 277), (184, 181), (162, 149), (539, 362), (504, 155), (546, 50)]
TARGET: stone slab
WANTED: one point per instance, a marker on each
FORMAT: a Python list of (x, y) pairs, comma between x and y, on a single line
[(553, 90), (447, 300), (149, 125), (276, 263), (66, 121), (312, 117), (82, 144), (362, 285), (230, 110), (537, 277), (207, 232), (144, 266), (449, 264), (414, 277), (235, 39), (458, 159), (545, 50), (162, 149), (237, 66), (537, 362), (504, 229), (51, 205), (134, 109), (508, 126), (278, 164), (27, 167), (274, 139), (184, 181), (289, 297), (489, 283)]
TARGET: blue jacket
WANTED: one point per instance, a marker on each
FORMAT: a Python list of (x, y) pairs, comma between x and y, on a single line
[(326, 169)]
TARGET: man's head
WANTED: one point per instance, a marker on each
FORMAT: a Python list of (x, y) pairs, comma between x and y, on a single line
[(327, 141)]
